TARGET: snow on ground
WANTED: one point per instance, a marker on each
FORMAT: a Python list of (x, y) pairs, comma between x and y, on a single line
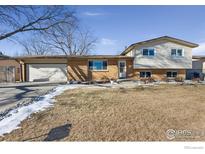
[(17, 115)]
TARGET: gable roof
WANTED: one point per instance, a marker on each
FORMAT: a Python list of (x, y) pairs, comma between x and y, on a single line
[(168, 38)]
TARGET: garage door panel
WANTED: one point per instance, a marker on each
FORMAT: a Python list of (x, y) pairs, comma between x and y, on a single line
[(47, 72)]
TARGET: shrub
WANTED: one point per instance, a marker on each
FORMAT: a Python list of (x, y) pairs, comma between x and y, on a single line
[(151, 79), (196, 79), (179, 79), (147, 80), (105, 79)]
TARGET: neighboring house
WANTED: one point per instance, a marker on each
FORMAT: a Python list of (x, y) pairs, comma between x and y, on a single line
[(9, 69), (160, 58), (198, 68)]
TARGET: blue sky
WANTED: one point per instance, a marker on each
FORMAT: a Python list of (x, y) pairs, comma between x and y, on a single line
[(118, 26)]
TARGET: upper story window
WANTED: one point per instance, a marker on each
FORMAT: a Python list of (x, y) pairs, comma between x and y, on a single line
[(148, 52), (98, 65), (177, 52)]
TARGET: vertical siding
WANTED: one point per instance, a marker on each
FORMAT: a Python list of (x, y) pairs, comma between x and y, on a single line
[(11, 62)]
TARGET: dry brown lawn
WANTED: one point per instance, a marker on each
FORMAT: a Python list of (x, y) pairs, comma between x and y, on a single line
[(137, 114)]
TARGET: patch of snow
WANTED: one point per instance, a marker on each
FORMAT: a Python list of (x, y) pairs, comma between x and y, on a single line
[(17, 115)]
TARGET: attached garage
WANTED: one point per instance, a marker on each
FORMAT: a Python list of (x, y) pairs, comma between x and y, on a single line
[(44, 68), (46, 72)]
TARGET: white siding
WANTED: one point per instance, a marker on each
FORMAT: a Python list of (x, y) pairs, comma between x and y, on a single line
[(203, 70), (162, 58)]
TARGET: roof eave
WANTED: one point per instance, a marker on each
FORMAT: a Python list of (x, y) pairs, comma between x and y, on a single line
[(186, 43)]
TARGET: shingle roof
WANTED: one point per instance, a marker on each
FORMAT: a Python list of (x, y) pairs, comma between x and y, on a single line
[(172, 39), (76, 56)]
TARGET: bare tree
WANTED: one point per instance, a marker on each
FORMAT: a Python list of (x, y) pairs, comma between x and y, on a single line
[(34, 46), (70, 40), (56, 28), (19, 19)]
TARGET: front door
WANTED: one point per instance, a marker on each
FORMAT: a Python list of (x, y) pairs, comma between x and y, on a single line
[(122, 69)]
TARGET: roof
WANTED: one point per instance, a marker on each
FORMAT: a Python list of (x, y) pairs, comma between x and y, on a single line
[(198, 57), (76, 56), (100, 56), (2, 56), (168, 38)]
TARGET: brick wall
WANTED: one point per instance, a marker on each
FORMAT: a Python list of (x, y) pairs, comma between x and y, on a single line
[(78, 69), (159, 74)]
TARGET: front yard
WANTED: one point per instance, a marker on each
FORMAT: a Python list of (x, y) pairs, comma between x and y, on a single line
[(118, 114)]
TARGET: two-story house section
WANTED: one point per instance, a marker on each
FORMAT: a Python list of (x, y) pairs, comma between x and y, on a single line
[(163, 57)]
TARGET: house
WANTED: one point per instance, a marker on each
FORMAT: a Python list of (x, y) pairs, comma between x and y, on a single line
[(161, 58), (78, 68), (198, 68), (9, 69)]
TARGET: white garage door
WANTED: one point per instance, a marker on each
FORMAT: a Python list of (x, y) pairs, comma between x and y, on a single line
[(46, 72)]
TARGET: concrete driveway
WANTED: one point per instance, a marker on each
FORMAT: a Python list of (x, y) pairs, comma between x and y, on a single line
[(12, 94)]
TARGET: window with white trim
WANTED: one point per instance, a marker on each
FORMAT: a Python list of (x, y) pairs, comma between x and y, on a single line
[(145, 74), (148, 52), (171, 74), (98, 65), (177, 52)]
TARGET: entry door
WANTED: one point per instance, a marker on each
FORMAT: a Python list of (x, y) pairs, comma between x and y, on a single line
[(122, 69)]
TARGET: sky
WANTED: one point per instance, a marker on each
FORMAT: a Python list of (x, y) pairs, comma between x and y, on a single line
[(117, 27)]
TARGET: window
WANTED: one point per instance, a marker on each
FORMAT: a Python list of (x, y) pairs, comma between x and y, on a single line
[(171, 74), (196, 75), (98, 65), (148, 52), (177, 52), (145, 74)]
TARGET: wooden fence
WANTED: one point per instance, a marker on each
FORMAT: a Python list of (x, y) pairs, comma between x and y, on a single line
[(7, 74)]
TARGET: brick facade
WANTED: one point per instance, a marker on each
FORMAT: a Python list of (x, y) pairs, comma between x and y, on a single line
[(78, 69), (159, 74)]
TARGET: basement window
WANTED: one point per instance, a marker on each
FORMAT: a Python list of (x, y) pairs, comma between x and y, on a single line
[(171, 74), (145, 74), (98, 65)]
